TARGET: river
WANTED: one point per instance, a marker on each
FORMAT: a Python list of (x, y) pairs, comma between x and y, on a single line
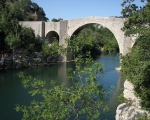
[(12, 91)]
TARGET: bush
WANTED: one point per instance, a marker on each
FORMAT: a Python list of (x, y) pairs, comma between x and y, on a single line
[(136, 68)]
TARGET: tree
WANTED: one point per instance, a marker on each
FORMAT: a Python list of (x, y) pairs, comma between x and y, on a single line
[(9, 30), (13, 40), (138, 17), (12, 35), (3, 28), (92, 38), (136, 64), (56, 20), (82, 100), (38, 12), (27, 38), (107, 40), (19, 10), (51, 49), (136, 68), (24, 10)]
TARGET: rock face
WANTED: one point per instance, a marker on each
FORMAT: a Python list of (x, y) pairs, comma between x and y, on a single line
[(129, 94), (131, 110), (24, 59)]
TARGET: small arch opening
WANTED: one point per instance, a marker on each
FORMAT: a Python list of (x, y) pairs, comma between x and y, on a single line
[(51, 37)]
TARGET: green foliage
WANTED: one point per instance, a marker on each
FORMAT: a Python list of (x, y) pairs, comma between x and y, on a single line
[(27, 38), (38, 13), (46, 49), (56, 20), (121, 98), (9, 31), (23, 10), (138, 18), (82, 100), (19, 9), (52, 49), (92, 38), (107, 40), (13, 40), (38, 44), (136, 67), (12, 35), (136, 64), (143, 117), (80, 45), (110, 45)]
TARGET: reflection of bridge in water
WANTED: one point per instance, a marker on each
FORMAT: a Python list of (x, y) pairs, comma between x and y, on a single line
[(66, 28)]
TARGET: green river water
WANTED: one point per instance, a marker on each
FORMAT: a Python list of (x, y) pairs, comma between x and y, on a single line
[(12, 91)]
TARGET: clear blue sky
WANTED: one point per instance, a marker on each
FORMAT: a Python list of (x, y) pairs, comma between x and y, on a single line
[(71, 9)]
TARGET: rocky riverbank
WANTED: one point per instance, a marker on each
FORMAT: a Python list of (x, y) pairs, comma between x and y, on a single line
[(132, 109), (20, 60)]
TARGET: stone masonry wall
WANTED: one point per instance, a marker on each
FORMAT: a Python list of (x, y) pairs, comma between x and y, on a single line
[(37, 26)]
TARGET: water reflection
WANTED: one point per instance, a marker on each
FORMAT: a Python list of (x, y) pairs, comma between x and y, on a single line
[(118, 89), (113, 100)]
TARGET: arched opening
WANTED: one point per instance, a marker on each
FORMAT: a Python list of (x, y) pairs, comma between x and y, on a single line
[(97, 39), (51, 46), (51, 37)]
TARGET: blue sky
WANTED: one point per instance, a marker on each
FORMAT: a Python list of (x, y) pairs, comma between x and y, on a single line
[(71, 9)]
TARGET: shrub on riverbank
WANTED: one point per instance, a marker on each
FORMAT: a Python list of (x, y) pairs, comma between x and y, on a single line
[(136, 64), (136, 68)]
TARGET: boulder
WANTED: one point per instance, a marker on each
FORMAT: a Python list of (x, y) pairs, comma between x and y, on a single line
[(132, 109)]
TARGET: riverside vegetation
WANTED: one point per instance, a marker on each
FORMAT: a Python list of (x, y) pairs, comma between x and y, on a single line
[(14, 37), (136, 64), (83, 99), (86, 94)]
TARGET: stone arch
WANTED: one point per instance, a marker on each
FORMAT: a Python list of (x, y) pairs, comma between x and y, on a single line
[(113, 24), (86, 25), (99, 24), (80, 28), (51, 36)]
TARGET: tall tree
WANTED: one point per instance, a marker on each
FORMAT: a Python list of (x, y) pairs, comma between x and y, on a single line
[(12, 35)]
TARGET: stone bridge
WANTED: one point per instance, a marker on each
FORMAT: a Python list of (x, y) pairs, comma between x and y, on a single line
[(66, 28)]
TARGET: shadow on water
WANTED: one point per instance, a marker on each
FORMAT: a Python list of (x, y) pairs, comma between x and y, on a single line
[(12, 92)]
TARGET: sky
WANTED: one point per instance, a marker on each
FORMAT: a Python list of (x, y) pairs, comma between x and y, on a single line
[(72, 9)]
